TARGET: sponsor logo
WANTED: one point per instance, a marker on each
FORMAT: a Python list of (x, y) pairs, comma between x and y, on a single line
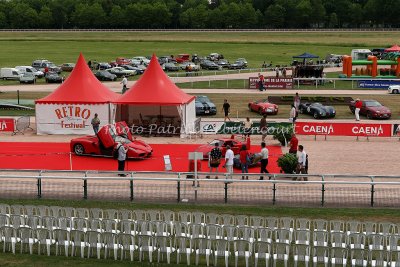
[(367, 130), (318, 129)]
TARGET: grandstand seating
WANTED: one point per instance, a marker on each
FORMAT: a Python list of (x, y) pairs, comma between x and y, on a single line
[(186, 236)]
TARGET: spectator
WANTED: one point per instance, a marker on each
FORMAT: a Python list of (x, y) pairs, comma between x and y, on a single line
[(261, 82), (247, 127), (122, 150), (264, 160), (227, 109), (293, 144), (293, 114), (358, 106), (296, 101), (95, 123), (229, 156), (124, 83), (277, 72), (215, 159), (263, 127), (302, 163), (284, 72), (244, 161)]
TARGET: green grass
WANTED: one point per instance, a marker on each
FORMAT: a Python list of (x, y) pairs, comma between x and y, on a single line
[(20, 48)]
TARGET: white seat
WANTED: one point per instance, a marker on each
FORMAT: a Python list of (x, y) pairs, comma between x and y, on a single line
[(61, 238), (301, 253), (242, 248), (358, 257), (183, 246), (93, 243), (146, 244), (202, 246), (221, 249), (127, 242), (280, 252), (262, 250), (78, 240), (338, 256), (320, 254), (163, 245), (110, 243), (44, 238), (27, 237), (9, 237)]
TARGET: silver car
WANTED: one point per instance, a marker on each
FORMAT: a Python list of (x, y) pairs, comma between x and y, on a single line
[(394, 89), (27, 77)]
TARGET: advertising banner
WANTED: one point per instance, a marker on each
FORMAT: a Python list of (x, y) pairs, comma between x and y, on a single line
[(272, 83), (343, 129), (375, 84), (7, 125), (231, 127)]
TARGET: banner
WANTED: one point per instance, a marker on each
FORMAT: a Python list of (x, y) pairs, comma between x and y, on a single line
[(7, 125), (343, 129), (326, 100), (376, 84), (272, 83), (396, 130), (232, 127)]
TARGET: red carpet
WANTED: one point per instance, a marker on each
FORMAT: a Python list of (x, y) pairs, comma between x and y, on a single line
[(55, 156)]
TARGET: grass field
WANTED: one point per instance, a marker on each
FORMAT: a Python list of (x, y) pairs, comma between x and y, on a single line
[(21, 48)]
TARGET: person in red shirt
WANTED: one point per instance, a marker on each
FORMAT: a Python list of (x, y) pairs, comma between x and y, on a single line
[(358, 105), (293, 143), (244, 160)]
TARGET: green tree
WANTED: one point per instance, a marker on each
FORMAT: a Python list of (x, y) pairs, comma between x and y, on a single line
[(46, 18), (304, 12), (333, 20), (356, 15), (318, 12), (275, 16), (3, 21), (117, 17), (22, 16)]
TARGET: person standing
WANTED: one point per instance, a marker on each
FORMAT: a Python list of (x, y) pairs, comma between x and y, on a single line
[(229, 156), (302, 163), (263, 127), (264, 160), (284, 72), (261, 82), (226, 108), (293, 114), (244, 161), (358, 106), (277, 72), (247, 127), (296, 101), (122, 150), (215, 159), (293, 143), (124, 83), (96, 123)]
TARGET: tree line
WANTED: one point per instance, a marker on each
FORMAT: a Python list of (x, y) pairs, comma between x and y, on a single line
[(198, 14)]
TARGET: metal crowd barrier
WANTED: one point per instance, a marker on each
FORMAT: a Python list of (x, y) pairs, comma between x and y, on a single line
[(329, 190)]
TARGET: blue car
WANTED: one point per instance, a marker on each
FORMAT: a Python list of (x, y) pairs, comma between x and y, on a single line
[(204, 106)]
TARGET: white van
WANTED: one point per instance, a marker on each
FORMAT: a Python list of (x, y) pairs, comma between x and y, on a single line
[(29, 69), (360, 54), (9, 74)]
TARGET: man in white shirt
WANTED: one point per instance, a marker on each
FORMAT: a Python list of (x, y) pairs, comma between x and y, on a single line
[(229, 160), (124, 84), (122, 150), (293, 114), (301, 163), (264, 160)]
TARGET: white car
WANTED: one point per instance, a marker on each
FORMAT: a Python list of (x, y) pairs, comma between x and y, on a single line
[(394, 89), (140, 61), (119, 71), (29, 69)]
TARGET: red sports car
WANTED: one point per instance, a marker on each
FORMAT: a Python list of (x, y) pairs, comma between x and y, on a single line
[(372, 109), (106, 140), (235, 145), (263, 107)]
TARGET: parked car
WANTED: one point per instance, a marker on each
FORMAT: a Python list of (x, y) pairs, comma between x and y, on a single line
[(166, 59), (170, 67), (119, 71), (394, 89), (263, 107), (223, 63), (243, 60), (372, 109), (67, 66), (103, 66), (27, 77), (122, 61), (105, 142), (42, 64), (10, 74), (140, 61), (215, 57), (237, 65), (53, 77), (209, 65), (204, 106), (317, 110), (193, 66), (182, 58), (103, 75), (29, 69), (235, 145), (130, 67)]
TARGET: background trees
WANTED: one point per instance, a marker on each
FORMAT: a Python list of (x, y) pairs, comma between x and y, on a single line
[(197, 14)]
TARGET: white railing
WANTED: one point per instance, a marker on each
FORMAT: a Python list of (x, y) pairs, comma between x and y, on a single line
[(280, 189)]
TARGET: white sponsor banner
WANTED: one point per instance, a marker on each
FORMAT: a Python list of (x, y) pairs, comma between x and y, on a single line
[(210, 127), (69, 118)]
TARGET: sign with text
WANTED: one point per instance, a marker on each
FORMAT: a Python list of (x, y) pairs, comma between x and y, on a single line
[(376, 84), (272, 83), (231, 127), (327, 100), (7, 125), (343, 129)]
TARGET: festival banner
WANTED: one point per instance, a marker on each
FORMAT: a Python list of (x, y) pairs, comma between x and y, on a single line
[(272, 83), (343, 129), (7, 125)]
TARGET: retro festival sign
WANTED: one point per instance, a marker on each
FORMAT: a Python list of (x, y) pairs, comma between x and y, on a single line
[(69, 118), (272, 83)]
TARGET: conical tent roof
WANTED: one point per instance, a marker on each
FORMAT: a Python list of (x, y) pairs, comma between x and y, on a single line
[(154, 88), (81, 87), (394, 48)]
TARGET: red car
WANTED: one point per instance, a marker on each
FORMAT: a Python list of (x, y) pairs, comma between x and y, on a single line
[(235, 145), (182, 58), (106, 140), (372, 109), (263, 107), (122, 61)]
